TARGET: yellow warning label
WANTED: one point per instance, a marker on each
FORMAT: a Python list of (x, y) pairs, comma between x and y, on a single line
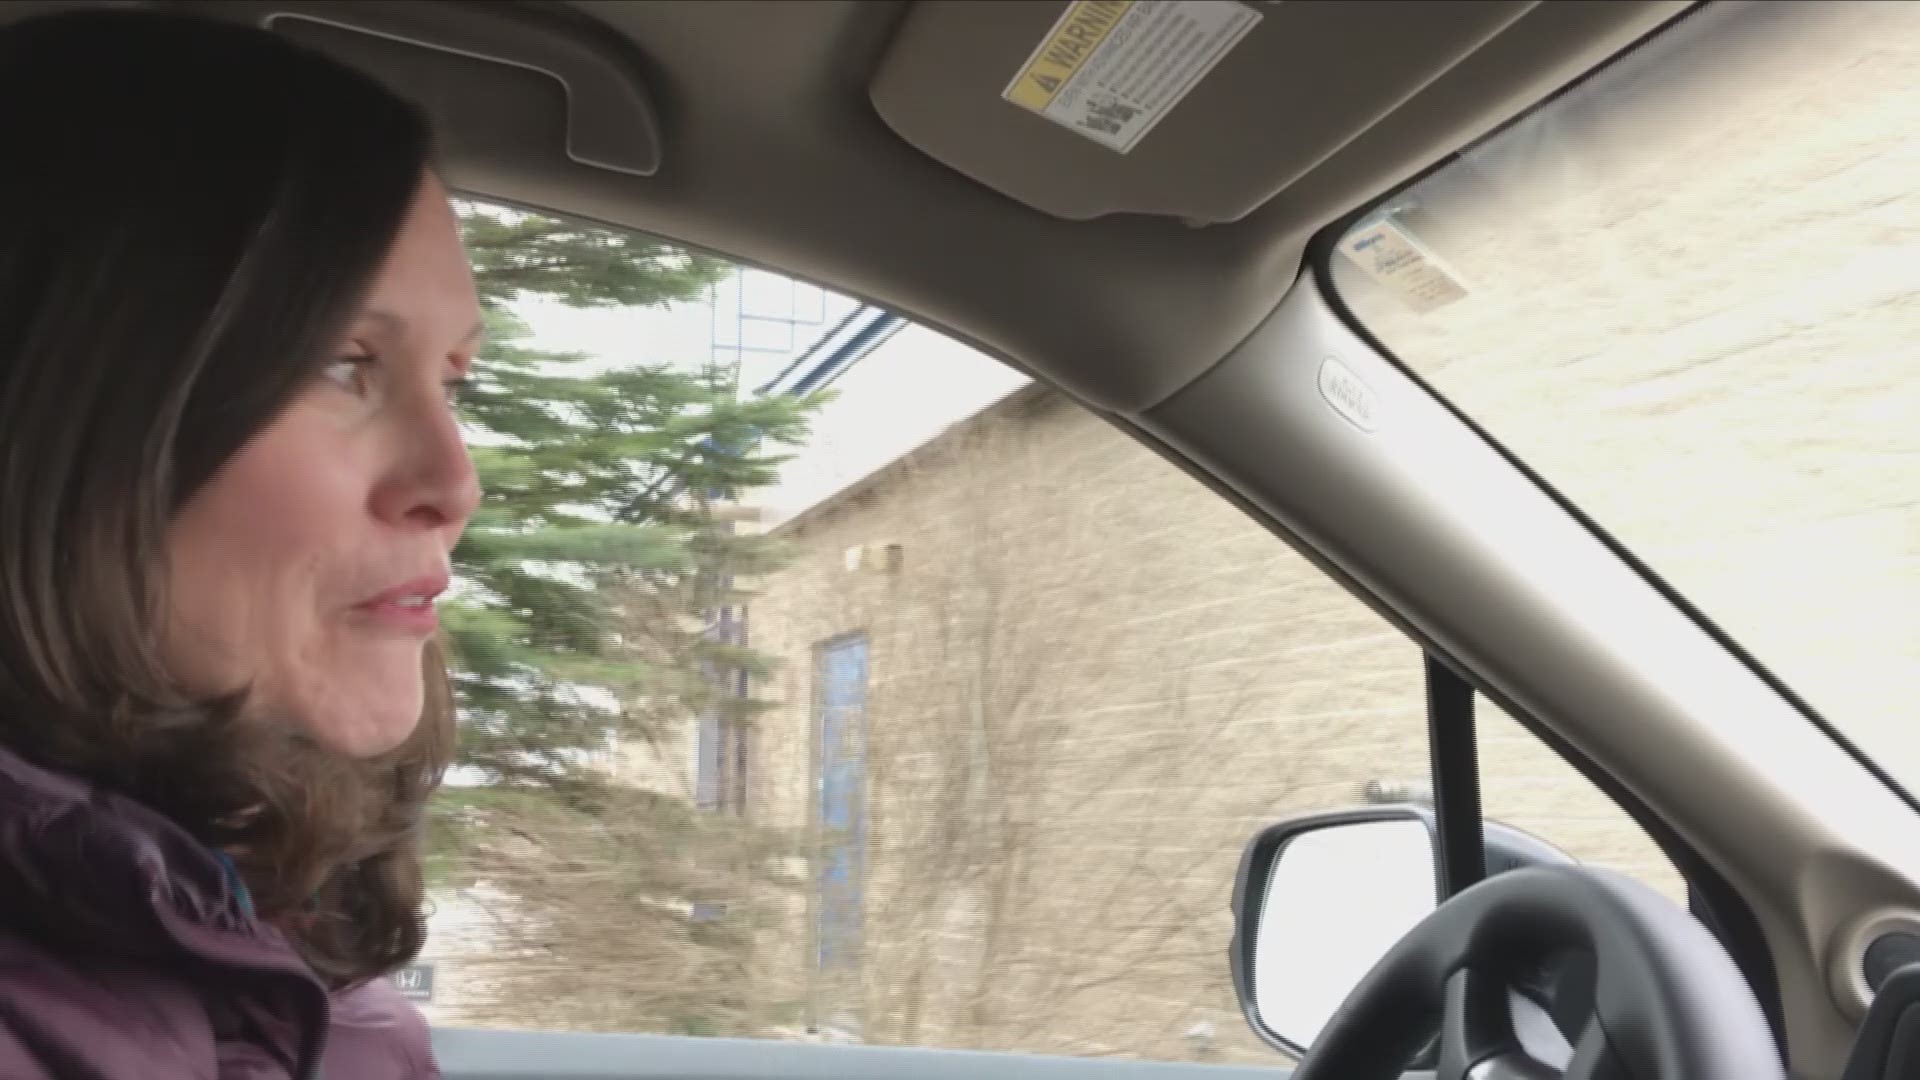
[(1110, 70), (1074, 38)]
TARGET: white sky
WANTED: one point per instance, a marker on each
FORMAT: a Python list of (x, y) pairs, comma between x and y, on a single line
[(901, 395)]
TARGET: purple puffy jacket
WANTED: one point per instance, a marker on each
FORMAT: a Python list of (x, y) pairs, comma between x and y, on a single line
[(124, 952)]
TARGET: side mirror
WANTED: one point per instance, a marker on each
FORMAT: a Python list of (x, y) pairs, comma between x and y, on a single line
[(1318, 901)]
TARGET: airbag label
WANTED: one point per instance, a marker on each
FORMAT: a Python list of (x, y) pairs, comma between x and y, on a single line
[(1111, 69)]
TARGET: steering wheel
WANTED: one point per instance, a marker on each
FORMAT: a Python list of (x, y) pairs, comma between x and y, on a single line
[(1668, 1002)]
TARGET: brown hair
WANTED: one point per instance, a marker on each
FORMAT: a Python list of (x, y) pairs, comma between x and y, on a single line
[(193, 210)]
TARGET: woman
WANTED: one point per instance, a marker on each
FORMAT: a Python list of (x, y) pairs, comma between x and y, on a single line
[(233, 307)]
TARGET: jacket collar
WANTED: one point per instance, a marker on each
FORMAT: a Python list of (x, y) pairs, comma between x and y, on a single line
[(97, 872)]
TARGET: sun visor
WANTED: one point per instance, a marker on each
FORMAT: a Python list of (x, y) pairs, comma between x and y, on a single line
[(461, 62), (1200, 110)]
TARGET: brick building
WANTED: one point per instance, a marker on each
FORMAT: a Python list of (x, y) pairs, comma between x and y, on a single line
[(1038, 688)]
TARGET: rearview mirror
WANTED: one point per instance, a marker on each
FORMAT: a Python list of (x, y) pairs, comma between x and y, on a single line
[(1318, 901)]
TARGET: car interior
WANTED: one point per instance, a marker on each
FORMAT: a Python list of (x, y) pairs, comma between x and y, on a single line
[(1179, 289)]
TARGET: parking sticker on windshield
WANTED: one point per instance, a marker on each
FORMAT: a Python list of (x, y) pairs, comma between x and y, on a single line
[(1393, 257), (1112, 69)]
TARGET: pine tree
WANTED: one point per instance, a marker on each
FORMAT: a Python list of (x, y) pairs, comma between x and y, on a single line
[(600, 553)]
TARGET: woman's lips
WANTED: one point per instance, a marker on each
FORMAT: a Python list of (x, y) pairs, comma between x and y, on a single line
[(407, 606)]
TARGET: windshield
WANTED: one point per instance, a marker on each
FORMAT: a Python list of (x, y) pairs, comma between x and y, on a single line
[(1687, 293)]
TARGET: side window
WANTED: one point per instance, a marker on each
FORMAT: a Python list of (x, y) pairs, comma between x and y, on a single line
[(821, 679), (1524, 783)]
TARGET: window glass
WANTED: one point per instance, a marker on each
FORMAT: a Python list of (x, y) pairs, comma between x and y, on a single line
[(826, 681), (1685, 292)]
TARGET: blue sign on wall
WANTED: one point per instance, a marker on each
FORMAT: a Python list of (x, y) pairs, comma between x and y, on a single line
[(842, 688)]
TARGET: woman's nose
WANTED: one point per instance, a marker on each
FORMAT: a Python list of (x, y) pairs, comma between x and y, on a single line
[(434, 483)]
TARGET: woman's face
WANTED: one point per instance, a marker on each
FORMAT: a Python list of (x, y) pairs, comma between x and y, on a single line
[(306, 569)]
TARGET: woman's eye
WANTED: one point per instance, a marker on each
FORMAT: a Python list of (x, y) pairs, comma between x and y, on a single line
[(352, 373)]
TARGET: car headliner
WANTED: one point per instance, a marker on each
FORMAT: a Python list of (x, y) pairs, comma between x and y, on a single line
[(773, 152)]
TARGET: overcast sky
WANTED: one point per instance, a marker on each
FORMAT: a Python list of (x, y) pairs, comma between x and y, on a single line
[(898, 397)]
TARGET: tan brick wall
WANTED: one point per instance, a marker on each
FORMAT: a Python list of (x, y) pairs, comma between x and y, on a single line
[(1092, 680)]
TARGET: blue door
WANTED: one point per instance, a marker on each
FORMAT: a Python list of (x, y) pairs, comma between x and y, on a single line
[(841, 687)]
